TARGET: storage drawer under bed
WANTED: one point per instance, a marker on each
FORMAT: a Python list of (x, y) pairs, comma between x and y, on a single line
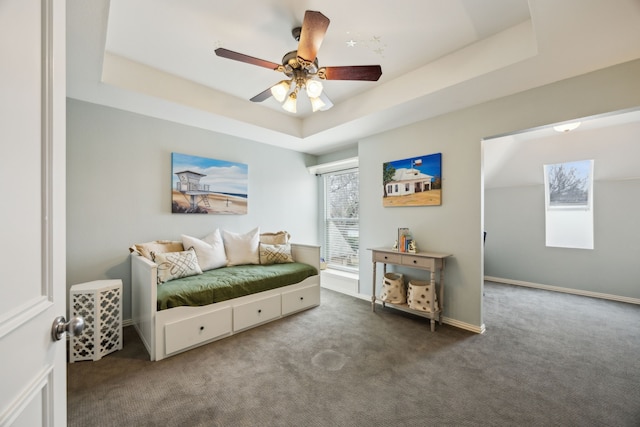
[(256, 312), (198, 329), (300, 299)]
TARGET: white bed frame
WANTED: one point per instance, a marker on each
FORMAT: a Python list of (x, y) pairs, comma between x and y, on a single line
[(172, 331)]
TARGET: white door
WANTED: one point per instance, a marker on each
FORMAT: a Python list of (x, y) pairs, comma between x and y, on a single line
[(32, 212)]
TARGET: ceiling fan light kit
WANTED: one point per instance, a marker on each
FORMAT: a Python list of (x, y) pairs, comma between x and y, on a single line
[(301, 67)]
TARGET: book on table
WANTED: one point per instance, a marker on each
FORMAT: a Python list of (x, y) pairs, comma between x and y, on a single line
[(404, 239)]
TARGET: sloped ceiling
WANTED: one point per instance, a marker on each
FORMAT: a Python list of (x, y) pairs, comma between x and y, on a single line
[(611, 140), (155, 57)]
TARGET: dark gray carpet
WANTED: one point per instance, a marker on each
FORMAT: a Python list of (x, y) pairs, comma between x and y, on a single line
[(547, 359)]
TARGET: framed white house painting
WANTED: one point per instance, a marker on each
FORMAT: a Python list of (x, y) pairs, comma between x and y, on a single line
[(416, 181), (208, 186)]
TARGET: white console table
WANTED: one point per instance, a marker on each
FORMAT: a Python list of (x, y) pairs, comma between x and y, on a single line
[(434, 262)]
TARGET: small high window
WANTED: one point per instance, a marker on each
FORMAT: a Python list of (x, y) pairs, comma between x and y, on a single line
[(568, 191)]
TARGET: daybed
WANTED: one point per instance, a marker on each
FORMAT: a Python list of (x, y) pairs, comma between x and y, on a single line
[(169, 322)]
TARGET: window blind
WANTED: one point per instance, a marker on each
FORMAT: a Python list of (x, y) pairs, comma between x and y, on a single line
[(342, 213)]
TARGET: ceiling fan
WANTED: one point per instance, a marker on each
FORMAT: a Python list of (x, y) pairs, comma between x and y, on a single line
[(302, 69)]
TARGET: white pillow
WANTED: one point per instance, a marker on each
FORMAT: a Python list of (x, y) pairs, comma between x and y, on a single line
[(210, 250), (175, 265), (242, 248)]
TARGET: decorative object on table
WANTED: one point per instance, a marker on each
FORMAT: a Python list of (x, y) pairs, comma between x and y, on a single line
[(323, 264), (395, 246), (416, 181), (208, 186), (413, 247), (393, 290), (420, 295), (404, 239)]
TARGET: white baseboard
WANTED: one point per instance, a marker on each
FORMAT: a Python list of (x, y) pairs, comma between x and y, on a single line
[(446, 320), (561, 289), (463, 325)]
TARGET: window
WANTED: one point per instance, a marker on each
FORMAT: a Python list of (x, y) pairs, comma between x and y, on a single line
[(568, 201), (568, 185), (341, 219)]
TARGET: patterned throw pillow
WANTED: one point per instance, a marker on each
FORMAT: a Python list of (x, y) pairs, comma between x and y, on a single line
[(174, 265), (275, 254)]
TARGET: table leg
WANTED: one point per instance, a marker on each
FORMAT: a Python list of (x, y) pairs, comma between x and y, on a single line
[(441, 291), (373, 296)]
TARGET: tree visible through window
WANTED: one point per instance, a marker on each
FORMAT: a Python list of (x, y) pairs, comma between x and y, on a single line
[(568, 184), (342, 212)]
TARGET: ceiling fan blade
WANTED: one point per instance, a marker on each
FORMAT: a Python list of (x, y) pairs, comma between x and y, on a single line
[(353, 72), (229, 54), (314, 27), (266, 94)]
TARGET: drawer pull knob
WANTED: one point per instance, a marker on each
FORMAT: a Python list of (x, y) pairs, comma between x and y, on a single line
[(415, 261), (301, 298), (386, 257), (259, 310), (202, 328)]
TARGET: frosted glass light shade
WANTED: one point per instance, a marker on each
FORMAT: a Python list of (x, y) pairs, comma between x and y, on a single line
[(290, 104), (316, 104), (280, 90), (566, 127), (314, 88)]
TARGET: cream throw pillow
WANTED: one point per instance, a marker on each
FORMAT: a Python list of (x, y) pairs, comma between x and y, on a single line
[(242, 248), (157, 246), (209, 250), (278, 238), (174, 265), (275, 254)]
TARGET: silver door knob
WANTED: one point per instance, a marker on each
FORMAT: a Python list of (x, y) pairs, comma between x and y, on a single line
[(73, 327)]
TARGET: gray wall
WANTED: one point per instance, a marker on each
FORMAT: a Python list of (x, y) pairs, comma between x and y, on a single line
[(515, 214), (119, 186), (456, 226), (516, 248)]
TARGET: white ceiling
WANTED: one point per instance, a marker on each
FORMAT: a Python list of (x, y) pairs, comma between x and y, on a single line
[(156, 57)]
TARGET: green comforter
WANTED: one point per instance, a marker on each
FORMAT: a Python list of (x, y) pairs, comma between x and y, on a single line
[(230, 282)]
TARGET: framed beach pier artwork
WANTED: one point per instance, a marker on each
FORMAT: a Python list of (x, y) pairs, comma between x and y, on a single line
[(416, 181), (200, 185)]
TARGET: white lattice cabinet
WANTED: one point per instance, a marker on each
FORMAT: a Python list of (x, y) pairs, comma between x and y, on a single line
[(100, 304)]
